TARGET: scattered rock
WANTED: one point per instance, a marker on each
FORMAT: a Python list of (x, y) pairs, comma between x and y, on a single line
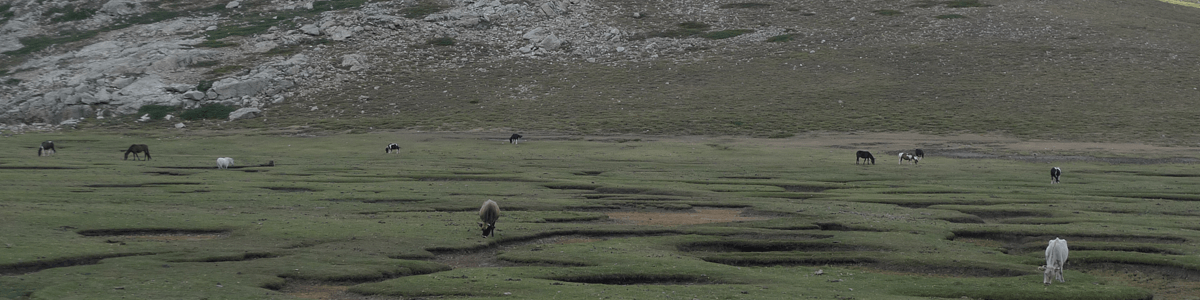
[(244, 113)]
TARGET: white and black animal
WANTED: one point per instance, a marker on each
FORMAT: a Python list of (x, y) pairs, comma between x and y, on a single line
[(46, 149), (919, 153), (864, 155), (909, 157), (488, 214), (137, 148), (514, 138), (224, 162), (392, 147), (1054, 173), (1056, 256)]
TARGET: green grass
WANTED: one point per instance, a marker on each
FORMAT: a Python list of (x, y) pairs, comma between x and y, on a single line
[(156, 112), (746, 5), (384, 224), (441, 41), (68, 13), (37, 43), (950, 16), (888, 12), (208, 111), (223, 70), (215, 44), (422, 9), (724, 34)]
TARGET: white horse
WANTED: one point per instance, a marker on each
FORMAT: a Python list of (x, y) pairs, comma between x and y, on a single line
[(393, 147), (488, 214), (909, 157), (1056, 256), (224, 162)]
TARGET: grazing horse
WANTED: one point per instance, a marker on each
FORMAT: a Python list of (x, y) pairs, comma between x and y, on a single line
[(919, 153), (864, 155), (1056, 256), (224, 162), (489, 213), (908, 157), (137, 148), (46, 149), (514, 138), (392, 147), (1054, 173)]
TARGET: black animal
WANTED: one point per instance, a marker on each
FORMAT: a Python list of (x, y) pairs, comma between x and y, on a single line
[(1054, 173), (489, 213), (137, 148), (864, 155), (919, 153), (514, 138), (46, 149), (392, 147)]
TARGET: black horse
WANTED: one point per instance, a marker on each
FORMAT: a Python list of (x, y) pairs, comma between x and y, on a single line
[(514, 138), (46, 149), (919, 153), (864, 155), (137, 148), (1054, 173), (392, 147)]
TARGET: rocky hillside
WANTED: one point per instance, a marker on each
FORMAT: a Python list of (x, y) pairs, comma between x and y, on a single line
[(65, 61)]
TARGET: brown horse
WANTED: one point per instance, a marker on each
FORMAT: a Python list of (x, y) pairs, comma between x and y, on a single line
[(137, 148)]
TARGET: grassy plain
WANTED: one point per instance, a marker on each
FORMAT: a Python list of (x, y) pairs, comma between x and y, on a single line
[(357, 223)]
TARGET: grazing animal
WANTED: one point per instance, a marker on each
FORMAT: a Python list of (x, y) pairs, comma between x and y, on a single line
[(514, 138), (864, 155), (137, 148), (224, 162), (46, 149), (1056, 256), (392, 147), (1054, 173), (919, 153), (489, 213), (908, 157)]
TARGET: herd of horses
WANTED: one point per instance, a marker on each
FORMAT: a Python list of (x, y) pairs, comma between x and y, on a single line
[(917, 155), (489, 213)]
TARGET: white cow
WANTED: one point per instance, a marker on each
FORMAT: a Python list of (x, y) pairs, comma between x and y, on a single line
[(1056, 256), (224, 162)]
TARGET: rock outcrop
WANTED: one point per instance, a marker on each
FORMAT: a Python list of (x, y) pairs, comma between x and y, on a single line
[(168, 62)]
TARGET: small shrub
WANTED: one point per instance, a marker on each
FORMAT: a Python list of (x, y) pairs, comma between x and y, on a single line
[(210, 111), (422, 9), (888, 12), (37, 43), (156, 112), (204, 85), (442, 41), (69, 13), (780, 38), (336, 4), (724, 34), (214, 44), (951, 16), (746, 5), (226, 70), (693, 25), (12, 81)]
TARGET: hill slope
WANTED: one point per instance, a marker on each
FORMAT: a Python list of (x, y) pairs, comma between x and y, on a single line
[(1076, 70)]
